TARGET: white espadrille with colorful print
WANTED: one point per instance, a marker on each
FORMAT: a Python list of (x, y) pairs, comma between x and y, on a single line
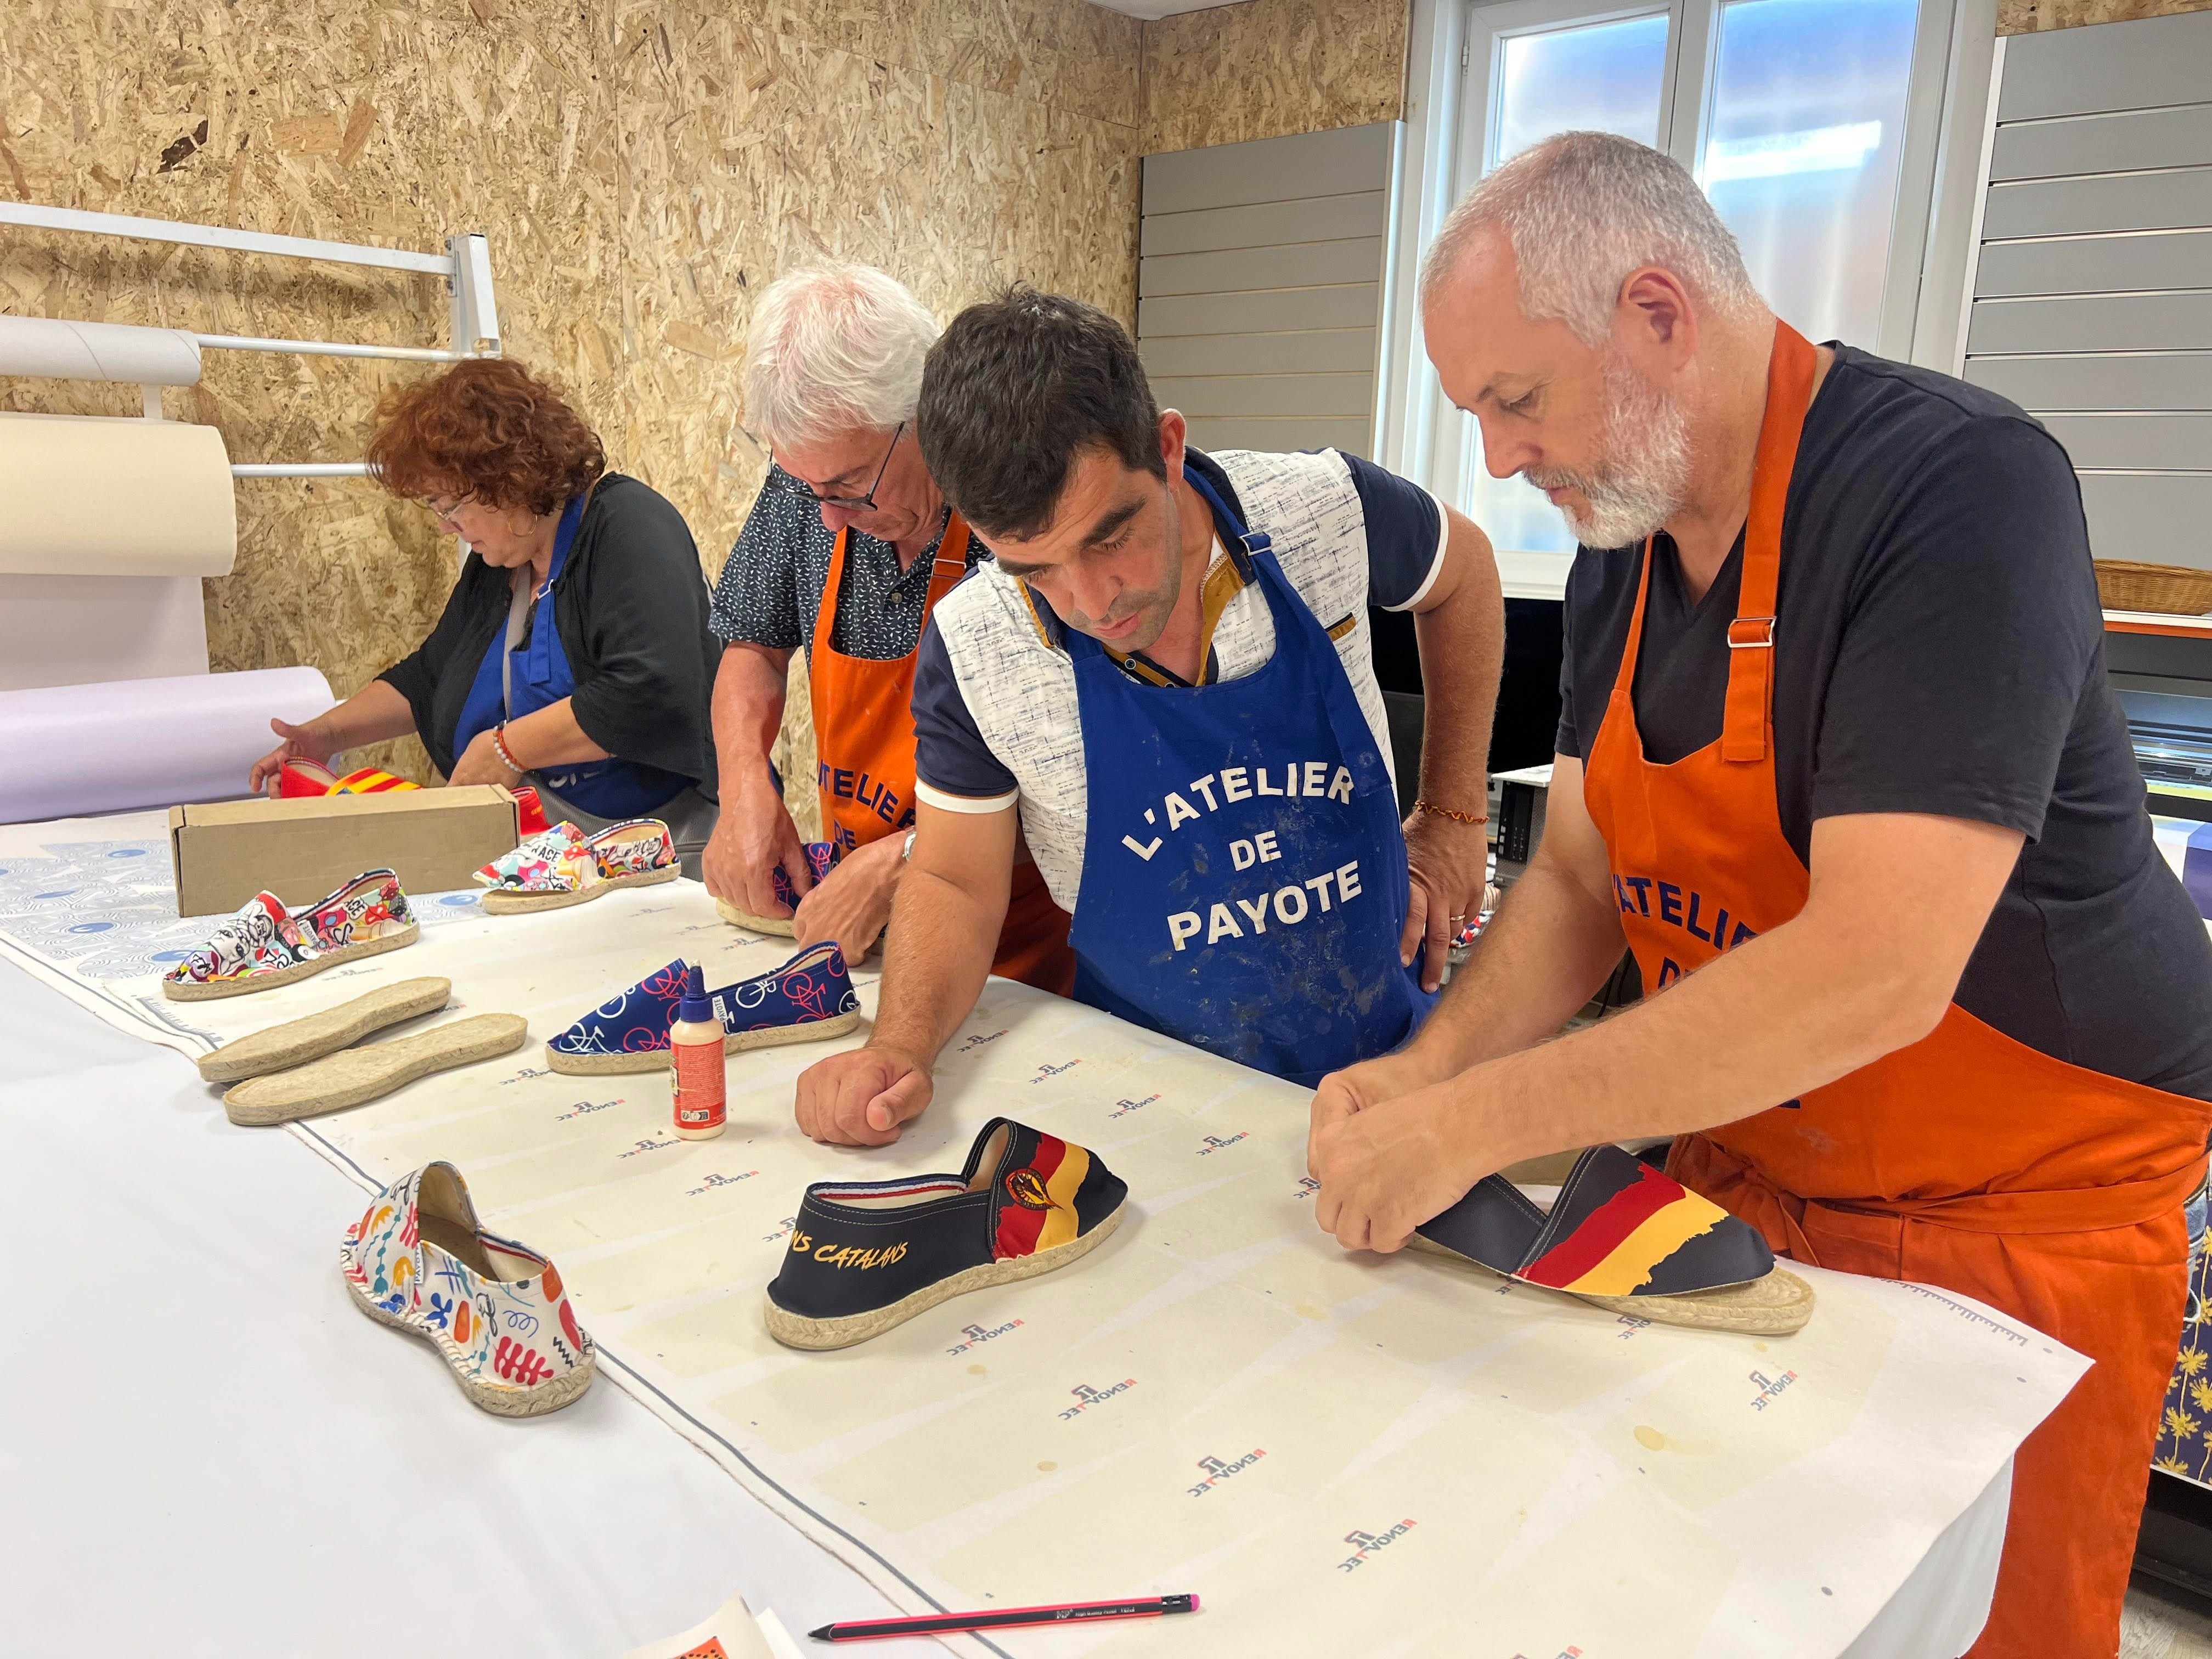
[(493, 1308)]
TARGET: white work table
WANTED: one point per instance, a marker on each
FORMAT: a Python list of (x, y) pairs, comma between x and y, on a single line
[(210, 1452)]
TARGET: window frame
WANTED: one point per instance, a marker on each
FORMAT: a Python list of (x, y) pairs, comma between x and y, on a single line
[(1455, 51)]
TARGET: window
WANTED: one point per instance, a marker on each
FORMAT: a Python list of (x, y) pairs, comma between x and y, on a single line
[(1809, 123)]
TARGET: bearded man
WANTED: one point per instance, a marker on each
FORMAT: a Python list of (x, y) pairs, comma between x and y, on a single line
[(1838, 761)]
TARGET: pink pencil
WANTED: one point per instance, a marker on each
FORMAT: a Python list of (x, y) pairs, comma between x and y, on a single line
[(939, 1623)]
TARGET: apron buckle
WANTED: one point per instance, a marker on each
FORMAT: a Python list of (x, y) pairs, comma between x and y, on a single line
[(1751, 634)]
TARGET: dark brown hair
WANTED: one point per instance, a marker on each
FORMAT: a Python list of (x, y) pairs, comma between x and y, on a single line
[(488, 428), (1061, 377)]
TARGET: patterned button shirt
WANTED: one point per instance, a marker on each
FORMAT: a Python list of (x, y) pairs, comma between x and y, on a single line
[(770, 591)]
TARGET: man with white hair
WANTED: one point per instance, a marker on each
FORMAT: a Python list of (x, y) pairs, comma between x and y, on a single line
[(1839, 764), (846, 552)]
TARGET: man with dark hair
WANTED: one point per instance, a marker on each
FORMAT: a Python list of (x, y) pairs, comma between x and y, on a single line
[(1164, 684)]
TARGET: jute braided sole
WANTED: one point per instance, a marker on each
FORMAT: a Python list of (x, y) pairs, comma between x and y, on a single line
[(780, 925), (296, 1042), (499, 902), (358, 1075), (192, 990), (656, 1059), (795, 1332), (502, 1398), (1775, 1305)]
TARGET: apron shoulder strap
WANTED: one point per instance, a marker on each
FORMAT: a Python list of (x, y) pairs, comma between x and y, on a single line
[(1747, 720), (952, 563)]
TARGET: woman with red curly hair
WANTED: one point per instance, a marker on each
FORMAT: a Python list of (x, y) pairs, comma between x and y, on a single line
[(574, 654)]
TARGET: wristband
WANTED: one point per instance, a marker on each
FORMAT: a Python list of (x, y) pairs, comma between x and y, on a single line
[(1447, 812), (499, 748)]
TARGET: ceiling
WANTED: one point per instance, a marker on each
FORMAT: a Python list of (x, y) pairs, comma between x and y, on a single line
[(1154, 10)]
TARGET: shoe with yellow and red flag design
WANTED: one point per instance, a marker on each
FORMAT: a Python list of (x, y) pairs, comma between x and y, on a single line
[(866, 1256)]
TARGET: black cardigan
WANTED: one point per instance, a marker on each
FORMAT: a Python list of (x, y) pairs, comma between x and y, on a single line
[(631, 605)]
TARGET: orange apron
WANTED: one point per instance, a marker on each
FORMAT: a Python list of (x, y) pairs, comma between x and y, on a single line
[(1966, 1160), (864, 739)]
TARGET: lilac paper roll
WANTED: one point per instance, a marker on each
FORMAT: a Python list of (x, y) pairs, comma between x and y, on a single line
[(68, 751)]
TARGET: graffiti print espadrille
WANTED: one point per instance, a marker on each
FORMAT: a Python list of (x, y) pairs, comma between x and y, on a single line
[(265, 944), (866, 1256), (495, 1310), (562, 866)]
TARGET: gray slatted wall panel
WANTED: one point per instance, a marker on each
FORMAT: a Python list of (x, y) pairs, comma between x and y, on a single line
[(1259, 289), (2093, 298)]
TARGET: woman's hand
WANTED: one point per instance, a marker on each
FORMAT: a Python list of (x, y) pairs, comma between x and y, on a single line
[(480, 763), (853, 904), (311, 742)]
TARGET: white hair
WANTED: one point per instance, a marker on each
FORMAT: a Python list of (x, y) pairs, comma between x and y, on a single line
[(835, 348), (1581, 211)]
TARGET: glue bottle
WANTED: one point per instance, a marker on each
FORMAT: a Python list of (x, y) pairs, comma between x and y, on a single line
[(695, 1043)]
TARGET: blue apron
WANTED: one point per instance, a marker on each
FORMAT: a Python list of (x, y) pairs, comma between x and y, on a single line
[(1244, 880), (539, 675)]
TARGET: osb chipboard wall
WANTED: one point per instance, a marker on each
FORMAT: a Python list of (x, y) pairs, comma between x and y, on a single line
[(2027, 16), (1270, 67), (642, 169)]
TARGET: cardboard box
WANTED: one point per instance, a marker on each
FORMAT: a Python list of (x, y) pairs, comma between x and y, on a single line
[(223, 853)]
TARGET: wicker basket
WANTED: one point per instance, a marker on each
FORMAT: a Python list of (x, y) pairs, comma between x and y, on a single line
[(2175, 590)]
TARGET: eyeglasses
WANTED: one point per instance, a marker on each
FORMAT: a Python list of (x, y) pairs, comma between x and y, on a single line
[(779, 479), (444, 514)]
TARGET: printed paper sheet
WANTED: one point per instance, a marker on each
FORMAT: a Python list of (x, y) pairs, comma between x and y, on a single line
[(1340, 1454)]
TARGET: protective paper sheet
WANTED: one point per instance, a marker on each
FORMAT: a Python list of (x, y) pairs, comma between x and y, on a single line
[(1341, 1454), (71, 749)]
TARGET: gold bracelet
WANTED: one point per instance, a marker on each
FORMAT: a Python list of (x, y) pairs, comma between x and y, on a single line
[(1446, 812)]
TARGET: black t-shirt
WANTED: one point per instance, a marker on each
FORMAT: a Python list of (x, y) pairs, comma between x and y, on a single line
[(1939, 648), (631, 609)]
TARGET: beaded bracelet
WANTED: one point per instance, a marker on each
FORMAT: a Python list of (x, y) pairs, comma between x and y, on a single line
[(499, 747), (1447, 812)]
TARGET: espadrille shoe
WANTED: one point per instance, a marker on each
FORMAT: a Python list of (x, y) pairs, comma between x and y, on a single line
[(1630, 1238), (564, 867), (265, 944), (494, 1310), (866, 1256), (821, 860), (809, 999)]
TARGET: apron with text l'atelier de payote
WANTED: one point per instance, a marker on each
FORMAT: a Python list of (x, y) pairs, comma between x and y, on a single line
[(1966, 1160), (864, 740), (1244, 876)]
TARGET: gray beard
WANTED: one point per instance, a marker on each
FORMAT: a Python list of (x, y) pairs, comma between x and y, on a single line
[(1645, 474)]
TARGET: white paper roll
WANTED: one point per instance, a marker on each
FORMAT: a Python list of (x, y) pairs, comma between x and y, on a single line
[(92, 495), (67, 750), (55, 347)]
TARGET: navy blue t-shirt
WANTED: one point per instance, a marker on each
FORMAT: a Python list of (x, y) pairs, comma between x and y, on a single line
[(1939, 648)]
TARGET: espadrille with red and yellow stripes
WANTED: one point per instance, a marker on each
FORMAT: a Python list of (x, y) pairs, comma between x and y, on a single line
[(866, 1256), (1627, 1237), (298, 779)]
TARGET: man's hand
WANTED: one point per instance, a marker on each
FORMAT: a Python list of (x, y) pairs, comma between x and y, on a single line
[(1386, 1169), (753, 837), (480, 763), (852, 904), (1359, 1088), (862, 1097), (1450, 864)]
